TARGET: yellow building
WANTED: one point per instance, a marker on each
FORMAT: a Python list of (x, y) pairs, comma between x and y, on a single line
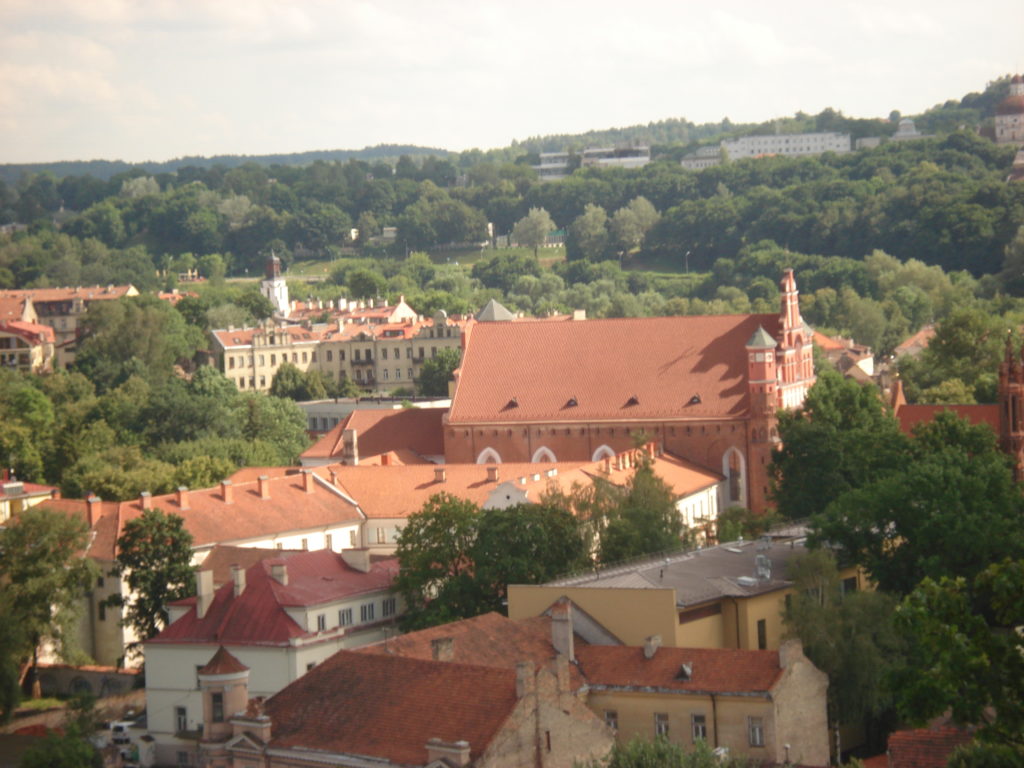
[(728, 596)]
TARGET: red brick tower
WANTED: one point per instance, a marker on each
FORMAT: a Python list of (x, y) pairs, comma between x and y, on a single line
[(1011, 409), (762, 385)]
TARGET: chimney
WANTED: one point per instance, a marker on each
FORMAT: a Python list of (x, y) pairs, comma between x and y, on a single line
[(454, 753), (790, 652), (279, 572), (359, 559), (182, 497), (307, 480), (92, 505), (561, 629), (385, 459), (350, 447), (442, 648), (146, 500), (526, 680), (264, 485), (204, 592), (238, 576), (439, 474), (651, 646), (227, 492), (492, 474)]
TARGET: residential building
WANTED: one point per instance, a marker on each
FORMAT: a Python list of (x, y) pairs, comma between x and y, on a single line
[(768, 706), (26, 347), (280, 617), (728, 596), (707, 388), (365, 346), (62, 308), (297, 511), (360, 710), (752, 703), (555, 166), (1009, 119)]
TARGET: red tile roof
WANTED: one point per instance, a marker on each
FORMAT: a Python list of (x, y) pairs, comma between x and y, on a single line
[(87, 293), (258, 615), (656, 363), (713, 670), (925, 747), (223, 557), (390, 706), (379, 430), (910, 416), (14, 307), (211, 520), (33, 333), (223, 663)]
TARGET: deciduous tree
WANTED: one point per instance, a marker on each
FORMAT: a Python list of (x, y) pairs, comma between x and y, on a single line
[(533, 229)]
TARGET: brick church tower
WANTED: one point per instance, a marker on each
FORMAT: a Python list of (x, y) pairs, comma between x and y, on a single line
[(1011, 409)]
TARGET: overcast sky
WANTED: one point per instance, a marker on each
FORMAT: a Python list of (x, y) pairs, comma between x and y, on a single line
[(143, 80)]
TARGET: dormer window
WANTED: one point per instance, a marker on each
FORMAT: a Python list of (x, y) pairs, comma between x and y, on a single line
[(634, 400), (513, 403), (571, 403), (695, 400)]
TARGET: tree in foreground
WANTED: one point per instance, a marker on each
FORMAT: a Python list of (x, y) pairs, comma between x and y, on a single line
[(662, 753), (154, 559), (456, 560), (68, 747), (437, 372), (968, 652), (850, 636), (641, 518), (44, 576)]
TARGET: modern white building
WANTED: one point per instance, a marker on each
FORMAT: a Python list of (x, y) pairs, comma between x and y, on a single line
[(784, 144)]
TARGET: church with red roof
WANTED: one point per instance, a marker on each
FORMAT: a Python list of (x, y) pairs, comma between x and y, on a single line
[(706, 387)]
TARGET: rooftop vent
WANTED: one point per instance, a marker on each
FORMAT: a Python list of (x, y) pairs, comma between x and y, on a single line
[(634, 400), (513, 403), (685, 671), (571, 402), (746, 581), (695, 400)]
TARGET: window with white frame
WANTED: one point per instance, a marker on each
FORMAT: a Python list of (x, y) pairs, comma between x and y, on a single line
[(388, 606), (345, 617), (699, 727), (180, 719), (661, 724), (321, 622)]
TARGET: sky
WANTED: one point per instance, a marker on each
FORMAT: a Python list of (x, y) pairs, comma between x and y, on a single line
[(139, 80)]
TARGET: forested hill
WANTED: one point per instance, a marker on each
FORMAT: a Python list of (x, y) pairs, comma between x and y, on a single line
[(105, 169)]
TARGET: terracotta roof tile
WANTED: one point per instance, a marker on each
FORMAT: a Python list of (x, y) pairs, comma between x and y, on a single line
[(637, 368), (390, 706), (925, 747), (223, 663), (87, 293), (379, 430), (910, 416), (223, 557), (713, 670)]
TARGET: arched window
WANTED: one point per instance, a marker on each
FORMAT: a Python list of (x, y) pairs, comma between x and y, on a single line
[(488, 456), (543, 454), (734, 467), (604, 452)]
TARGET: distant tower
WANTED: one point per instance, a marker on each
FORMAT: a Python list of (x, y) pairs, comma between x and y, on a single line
[(275, 288), (1011, 409), (796, 352), (1010, 114), (763, 436)]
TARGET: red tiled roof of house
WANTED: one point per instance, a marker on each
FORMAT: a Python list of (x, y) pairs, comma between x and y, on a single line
[(909, 416), (86, 293), (398, 491), (915, 342), (390, 706), (631, 369), (489, 640), (14, 307), (212, 520), (258, 615), (33, 333), (223, 663), (827, 343), (925, 747), (242, 337), (223, 557), (713, 670), (379, 430)]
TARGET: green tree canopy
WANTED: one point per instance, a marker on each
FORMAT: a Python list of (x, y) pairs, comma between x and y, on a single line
[(639, 519), (533, 229), (154, 560), (437, 372)]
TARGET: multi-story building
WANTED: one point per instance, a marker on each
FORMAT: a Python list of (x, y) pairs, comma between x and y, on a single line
[(784, 144), (380, 348), (62, 308), (555, 166), (280, 617)]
